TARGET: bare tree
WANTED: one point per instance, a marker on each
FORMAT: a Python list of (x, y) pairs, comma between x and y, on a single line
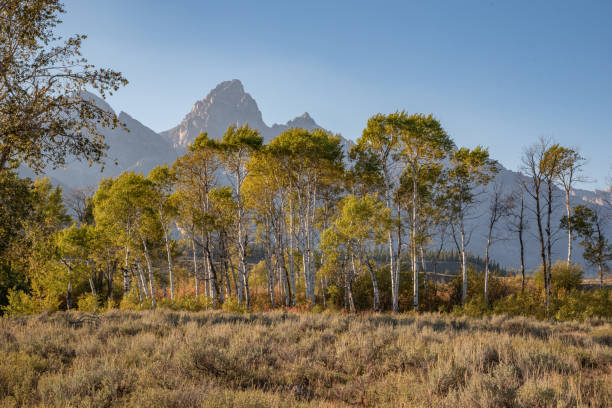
[(538, 185), (519, 225), (551, 165), (470, 171), (79, 201), (500, 206)]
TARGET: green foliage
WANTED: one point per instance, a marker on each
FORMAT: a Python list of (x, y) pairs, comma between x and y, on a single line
[(88, 302), (308, 148), (475, 307), (335, 296), (588, 225), (236, 138), (16, 204), (11, 277), (46, 116), (585, 305), (30, 214), (498, 288), (20, 303), (133, 302), (231, 304), (468, 169), (563, 276), (528, 303)]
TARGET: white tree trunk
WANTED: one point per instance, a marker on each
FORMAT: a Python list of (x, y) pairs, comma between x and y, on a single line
[(374, 286), (569, 226), (291, 248), (195, 268), (415, 269), (142, 289), (126, 271), (150, 269), (464, 272), (170, 266), (486, 282), (394, 286)]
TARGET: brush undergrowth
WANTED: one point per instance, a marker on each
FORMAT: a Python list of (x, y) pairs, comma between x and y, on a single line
[(165, 358)]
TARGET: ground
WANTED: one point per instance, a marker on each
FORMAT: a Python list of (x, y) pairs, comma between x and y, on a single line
[(218, 359)]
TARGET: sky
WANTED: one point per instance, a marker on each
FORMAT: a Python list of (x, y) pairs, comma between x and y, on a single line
[(495, 73)]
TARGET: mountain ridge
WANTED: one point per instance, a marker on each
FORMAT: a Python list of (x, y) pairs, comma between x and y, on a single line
[(229, 104)]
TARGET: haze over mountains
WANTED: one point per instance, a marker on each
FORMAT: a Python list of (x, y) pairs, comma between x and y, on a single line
[(140, 149)]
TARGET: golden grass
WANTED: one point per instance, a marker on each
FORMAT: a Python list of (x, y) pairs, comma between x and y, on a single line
[(218, 359)]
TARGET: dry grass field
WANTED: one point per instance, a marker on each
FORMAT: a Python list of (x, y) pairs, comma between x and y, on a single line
[(218, 359)]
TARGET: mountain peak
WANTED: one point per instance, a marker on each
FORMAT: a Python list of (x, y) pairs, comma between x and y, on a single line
[(303, 121), (225, 104), (234, 83), (233, 88), (228, 104)]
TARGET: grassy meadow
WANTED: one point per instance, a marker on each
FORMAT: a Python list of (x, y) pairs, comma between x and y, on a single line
[(220, 359)]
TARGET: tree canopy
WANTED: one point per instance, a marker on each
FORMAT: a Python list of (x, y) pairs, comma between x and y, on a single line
[(45, 113)]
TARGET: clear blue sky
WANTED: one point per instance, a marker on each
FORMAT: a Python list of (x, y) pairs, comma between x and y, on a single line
[(496, 73)]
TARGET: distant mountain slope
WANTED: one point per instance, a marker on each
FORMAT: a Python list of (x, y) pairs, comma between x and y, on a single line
[(139, 149), (506, 250)]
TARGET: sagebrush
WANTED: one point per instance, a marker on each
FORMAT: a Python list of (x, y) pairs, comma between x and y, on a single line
[(220, 359)]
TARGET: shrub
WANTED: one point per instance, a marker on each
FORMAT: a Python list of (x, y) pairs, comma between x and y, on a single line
[(563, 276), (231, 304), (498, 288), (528, 303), (88, 302), (132, 302), (20, 303), (335, 296), (475, 307), (585, 305), (220, 359), (110, 305)]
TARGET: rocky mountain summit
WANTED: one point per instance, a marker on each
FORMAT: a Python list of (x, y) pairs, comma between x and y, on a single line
[(228, 104)]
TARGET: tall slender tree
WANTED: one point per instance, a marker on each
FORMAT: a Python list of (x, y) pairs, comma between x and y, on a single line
[(570, 173), (379, 147), (534, 185), (500, 207), (424, 146), (361, 225), (518, 224), (469, 171), (120, 205), (196, 175), (235, 149), (313, 162), (164, 206)]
